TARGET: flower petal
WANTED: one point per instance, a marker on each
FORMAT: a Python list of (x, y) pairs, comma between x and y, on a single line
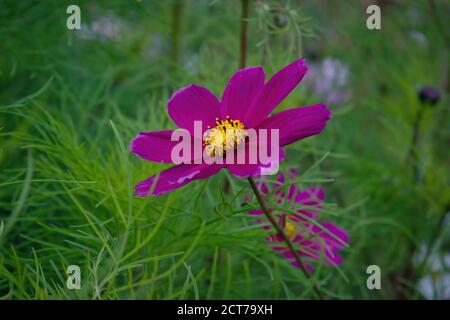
[(281, 193), (240, 92), (262, 187), (312, 196), (253, 165), (193, 103), (326, 245), (256, 212), (154, 146), (244, 170), (275, 90), (334, 229), (255, 170), (175, 178), (298, 123)]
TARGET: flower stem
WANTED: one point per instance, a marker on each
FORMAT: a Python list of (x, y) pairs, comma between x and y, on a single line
[(177, 16), (242, 55), (283, 235), (441, 26), (413, 155), (243, 36), (410, 272)]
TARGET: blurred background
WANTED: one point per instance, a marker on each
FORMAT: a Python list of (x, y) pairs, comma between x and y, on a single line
[(71, 100)]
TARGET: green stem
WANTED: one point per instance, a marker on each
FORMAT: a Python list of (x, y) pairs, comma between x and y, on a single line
[(242, 56), (410, 272), (283, 235), (444, 34), (243, 37), (413, 154), (433, 240), (177, 16)]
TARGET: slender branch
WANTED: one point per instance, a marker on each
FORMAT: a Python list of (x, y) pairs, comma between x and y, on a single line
[(438, 21), (242, 57), (243, 38), (409, 271), (177, 16), (445, 36), (413, 156), (438, 230), (283, 235)]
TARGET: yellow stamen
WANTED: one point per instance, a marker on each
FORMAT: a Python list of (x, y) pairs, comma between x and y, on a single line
[(227, 135), (290, 229)]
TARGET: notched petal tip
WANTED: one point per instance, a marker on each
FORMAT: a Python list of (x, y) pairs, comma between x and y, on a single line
[(298, 123), (327, 112), (301, 64), (193, 103), (131, 145), (276, 90), (241, 90)]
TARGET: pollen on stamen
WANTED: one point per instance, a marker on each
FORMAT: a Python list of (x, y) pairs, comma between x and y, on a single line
[(227, 135), (290, 229)]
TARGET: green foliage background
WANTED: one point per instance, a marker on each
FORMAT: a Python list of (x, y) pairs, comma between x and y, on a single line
[(70, 102)]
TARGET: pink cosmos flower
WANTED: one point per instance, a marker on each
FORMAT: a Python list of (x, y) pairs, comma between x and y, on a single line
[(247, 102), (312, 242)]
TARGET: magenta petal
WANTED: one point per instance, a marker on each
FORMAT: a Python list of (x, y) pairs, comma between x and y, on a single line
[(298, 123), (194, 103), (310, 196), (292, 189), (290, 257), (175, 178), (249, 169), (275, 90), (334, 257), (281, 178), (309, 267), (262, 187), (334, 229), (256, 212), (327, 245), (310, 213), (153, 146), (244, 170), (242, 88)]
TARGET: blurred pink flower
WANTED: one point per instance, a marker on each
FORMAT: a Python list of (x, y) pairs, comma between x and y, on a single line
[(313, 243)]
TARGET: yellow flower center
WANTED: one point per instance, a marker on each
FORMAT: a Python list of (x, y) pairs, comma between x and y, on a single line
[(226, 135), (290, 229)]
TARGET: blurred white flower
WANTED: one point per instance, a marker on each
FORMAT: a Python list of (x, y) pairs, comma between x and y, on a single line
[(419, 37), (329, 80), (156, 46), (435, 284), (103, 27)]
